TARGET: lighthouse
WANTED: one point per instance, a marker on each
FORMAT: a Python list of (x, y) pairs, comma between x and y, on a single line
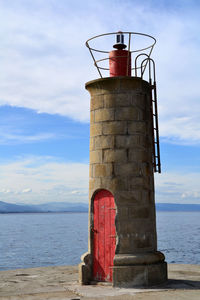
[(124, 155)]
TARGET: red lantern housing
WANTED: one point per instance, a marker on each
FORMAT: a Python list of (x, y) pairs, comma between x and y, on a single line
[(120, 59)]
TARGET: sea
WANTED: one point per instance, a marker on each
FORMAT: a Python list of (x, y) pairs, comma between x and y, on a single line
[(29, 240)]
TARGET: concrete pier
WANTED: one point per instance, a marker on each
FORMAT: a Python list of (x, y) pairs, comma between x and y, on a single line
[(54, 283)]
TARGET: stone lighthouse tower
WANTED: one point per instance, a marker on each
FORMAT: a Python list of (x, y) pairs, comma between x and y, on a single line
[(124, 154)]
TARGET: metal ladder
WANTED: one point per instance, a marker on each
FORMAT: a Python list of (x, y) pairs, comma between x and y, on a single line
[(156, 154), (156, 145)]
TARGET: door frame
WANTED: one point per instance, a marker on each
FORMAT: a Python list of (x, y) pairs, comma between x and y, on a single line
[(91, 218)]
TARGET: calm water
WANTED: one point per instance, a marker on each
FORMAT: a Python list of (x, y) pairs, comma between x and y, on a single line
[(31, 240)]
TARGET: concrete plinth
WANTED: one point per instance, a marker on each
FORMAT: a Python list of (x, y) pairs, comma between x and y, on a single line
[(141, 270), (139, 275)]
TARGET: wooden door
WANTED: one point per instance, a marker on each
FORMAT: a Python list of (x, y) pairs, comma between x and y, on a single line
[(103, 236)]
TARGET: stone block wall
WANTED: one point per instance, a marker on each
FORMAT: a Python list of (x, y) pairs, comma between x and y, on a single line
[(121, 161), (121, 147)]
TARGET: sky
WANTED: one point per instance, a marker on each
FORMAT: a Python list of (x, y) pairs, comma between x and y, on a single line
[(44, 107)]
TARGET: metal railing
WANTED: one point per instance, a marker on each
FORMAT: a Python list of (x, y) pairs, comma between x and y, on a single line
[(102, 63)]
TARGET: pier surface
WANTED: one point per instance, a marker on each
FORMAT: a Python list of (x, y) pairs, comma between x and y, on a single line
[(54, 283)]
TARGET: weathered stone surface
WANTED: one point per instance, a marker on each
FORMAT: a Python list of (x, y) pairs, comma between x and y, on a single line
[(110, 100), (96, 156), (85, 268), (97, 102), (104, 142), (138, 181), (140, 100), (119, 155), (127, 141), (91, 117), (90, 171), (95, 129), (138, 258), (104, 115), (114, 184), (102, 170), (140, 155), (126, 113), (94, 183), (139, 212), (137, 127), (121, 162), (146, 196), (140, 275), (92, 147), (117, 100), (139, 227), (126, 169), (146, 168), (127, 197), (115, 127)]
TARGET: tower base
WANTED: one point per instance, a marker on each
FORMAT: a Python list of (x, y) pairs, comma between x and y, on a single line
[(140, 275), (139, 270)]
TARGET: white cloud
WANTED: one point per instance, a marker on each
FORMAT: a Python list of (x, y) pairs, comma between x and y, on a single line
[(176, 187), (10, 138), (5, 191), (75, 192), (43, 179), (25, 191), (44, 63)]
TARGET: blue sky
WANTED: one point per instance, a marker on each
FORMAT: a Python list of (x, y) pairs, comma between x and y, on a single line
[(44, 108)]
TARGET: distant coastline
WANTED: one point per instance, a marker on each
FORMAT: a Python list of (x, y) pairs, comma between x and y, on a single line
[(51, 207), (68, 207)]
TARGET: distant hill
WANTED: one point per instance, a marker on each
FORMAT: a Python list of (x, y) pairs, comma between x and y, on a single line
[(177, 207), (16, 208), (63, 207), (43, 208), (82, 207)]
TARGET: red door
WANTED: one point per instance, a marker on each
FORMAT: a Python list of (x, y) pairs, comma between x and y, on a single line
[(104, 236)]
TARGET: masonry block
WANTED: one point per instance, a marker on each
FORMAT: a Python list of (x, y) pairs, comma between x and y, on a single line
[(95, 129), (104, 115), (126, 169), (126, 113), (90, 171), (94, 183), (102, 170), (114, 183), (128, 197), (139, 155), (137, 127), (104, 142), (97, 102), (96, 156), (116, 155), (114, 127), (127, 141), (117, 100)]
